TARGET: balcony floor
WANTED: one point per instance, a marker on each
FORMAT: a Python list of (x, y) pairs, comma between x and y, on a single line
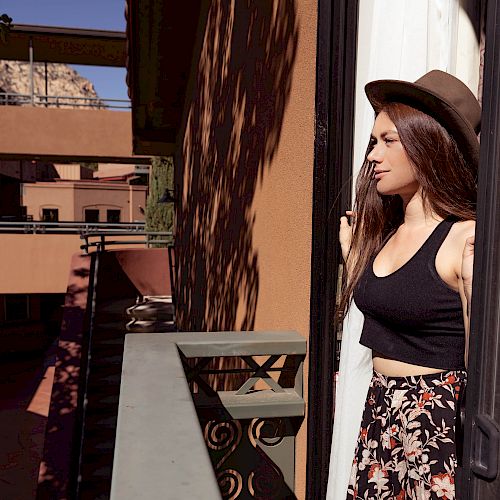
[(25, 387)]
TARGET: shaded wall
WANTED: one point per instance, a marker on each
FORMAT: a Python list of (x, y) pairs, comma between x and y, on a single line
[(245, 174), (10, 200), (34, 331)]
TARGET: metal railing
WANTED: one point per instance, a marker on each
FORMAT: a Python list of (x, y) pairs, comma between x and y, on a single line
[(41, 227), (101, 239), (95, 235), (57, 101)]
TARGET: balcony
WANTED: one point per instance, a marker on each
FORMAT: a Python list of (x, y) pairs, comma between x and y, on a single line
[(144, 415), (174, 442)]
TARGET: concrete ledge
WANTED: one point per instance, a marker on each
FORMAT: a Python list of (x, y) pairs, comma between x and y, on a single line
[(160, 452), (206, 344)]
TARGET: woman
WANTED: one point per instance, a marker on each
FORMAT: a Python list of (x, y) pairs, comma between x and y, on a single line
[(409, 254)]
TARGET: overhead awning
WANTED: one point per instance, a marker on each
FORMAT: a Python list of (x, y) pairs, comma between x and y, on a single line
[(65, 45), (163, 38)]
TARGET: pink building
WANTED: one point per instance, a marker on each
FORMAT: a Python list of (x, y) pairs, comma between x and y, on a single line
[(34, 267), (85, 200)]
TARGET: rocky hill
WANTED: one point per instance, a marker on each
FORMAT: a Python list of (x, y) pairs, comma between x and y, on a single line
[(62, 80)]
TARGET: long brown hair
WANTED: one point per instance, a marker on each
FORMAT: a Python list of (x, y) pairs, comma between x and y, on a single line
[(449, 187)]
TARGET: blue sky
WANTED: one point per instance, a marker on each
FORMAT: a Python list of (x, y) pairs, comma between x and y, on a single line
[(96, 14)]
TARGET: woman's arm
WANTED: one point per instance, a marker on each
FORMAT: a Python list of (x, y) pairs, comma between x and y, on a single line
[(345, 234), (467, 270), (465, 280)]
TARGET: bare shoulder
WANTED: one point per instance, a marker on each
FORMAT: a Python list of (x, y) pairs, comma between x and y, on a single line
[(449, 257), (459, 233), (462, 230)]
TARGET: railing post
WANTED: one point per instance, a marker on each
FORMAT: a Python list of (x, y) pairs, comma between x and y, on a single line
[(32, 83), (46, 86)]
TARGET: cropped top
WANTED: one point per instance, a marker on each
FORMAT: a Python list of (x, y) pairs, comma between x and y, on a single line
[(412, 315)]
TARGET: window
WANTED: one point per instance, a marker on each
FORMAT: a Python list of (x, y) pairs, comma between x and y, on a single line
[(113, 216), (17, 307), (91, 215), (50, 214)]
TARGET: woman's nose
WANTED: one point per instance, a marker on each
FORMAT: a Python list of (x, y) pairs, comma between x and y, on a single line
[(375, 154)]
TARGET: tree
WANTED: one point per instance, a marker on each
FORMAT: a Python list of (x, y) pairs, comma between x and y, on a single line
[(160, 216)]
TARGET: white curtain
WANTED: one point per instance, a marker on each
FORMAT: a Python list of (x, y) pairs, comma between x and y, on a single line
[(403, 40)]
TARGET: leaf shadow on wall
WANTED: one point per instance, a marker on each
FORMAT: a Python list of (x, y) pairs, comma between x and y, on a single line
[(231, 135)]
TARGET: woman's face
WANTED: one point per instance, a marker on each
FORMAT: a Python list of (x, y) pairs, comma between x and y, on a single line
[(392, 170)]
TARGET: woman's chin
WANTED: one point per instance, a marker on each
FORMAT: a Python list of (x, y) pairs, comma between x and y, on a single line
[(384, 190), (404, 191)]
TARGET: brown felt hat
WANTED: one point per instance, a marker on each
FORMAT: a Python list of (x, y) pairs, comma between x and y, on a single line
[(440, 95)]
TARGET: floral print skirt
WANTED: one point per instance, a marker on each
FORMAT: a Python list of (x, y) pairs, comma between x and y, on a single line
[(406, 444)]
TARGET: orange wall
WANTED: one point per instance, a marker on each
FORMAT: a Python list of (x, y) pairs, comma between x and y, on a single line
[(36, 263), (72, 198), (49, 195), (137, 200), (65, 132), (110, 196), (40, 263), (244, 220)]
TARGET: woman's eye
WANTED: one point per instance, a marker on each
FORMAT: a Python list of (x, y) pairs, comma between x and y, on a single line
[(389, 141)]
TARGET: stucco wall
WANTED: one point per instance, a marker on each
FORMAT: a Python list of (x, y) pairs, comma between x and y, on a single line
[(72, 198), (36, 263), (49, 195), (245, 175), (110, 196), (65, 132), (40, 263)]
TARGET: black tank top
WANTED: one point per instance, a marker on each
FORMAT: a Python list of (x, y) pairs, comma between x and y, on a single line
[(412, 315)]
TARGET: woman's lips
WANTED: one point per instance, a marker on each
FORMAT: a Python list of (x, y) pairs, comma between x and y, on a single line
[(379, 174)]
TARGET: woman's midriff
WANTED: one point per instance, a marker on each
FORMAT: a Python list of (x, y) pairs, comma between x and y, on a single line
[(394, 368)]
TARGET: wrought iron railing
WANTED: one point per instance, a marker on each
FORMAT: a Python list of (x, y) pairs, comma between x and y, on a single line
[(57, 101), (171, 443)]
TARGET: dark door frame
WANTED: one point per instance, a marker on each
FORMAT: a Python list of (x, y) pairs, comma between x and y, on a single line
[(483, 388), (335, 94)]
